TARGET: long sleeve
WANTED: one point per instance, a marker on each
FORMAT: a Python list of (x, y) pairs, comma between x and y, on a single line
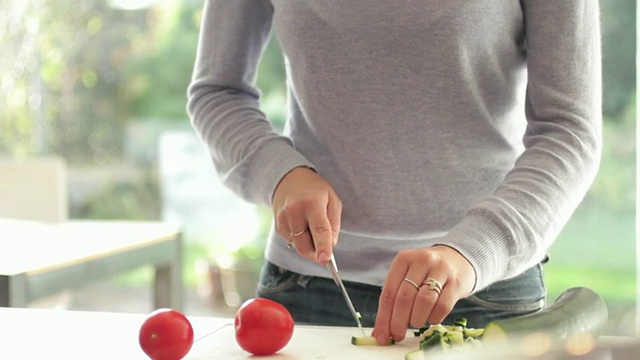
[(416, 115), (511, 230), (223, 102)]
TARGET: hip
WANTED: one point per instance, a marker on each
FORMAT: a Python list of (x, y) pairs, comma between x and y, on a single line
[(318, 301)]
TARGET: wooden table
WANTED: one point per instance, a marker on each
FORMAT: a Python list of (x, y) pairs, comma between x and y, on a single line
[(39, 259), (64, 334)]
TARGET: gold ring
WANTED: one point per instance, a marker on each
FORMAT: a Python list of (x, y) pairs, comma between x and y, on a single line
[(291, 244), (412, 283), (434, 285), (298, 233)]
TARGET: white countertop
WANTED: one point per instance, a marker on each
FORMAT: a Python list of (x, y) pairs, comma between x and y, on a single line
[(63, 334)]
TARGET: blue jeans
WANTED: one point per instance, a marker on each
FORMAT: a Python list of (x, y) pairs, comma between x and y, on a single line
[(318, 301)]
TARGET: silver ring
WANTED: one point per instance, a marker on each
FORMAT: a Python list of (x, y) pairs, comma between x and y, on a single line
[(434, 285), (298, 233), (412, 283)]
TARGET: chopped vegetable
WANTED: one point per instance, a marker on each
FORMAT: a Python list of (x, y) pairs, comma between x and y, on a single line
[(462, 322), (576, 310), (368, 340), (415, 355), (445, 337)]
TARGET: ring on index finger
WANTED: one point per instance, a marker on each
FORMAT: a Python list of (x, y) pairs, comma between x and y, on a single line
[(433, 284)]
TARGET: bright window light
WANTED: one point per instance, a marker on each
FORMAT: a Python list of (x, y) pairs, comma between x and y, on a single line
[(132, 4)]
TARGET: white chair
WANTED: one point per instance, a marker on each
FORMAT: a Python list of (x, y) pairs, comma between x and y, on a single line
[(34, 189)]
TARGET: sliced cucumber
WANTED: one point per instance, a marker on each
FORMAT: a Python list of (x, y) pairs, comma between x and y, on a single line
[(472, 333), (368, 340), (576, 310), (441, 337), (436, 339), (415, 355), (455, 337), (457, 328), (428, 332), (462, 322)]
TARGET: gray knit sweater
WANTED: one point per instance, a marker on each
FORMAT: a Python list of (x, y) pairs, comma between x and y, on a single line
[(475, 124)]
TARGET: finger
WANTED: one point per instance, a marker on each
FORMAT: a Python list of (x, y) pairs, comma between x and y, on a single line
[(334, 213), (304, 246), (445, 303), (303, 243), (424, 303), (299, 235), (320, 229), (282, 225), (403, 305), (293, 218), (381, 330)]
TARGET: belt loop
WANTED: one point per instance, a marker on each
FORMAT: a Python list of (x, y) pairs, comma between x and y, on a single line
[(303, 281)]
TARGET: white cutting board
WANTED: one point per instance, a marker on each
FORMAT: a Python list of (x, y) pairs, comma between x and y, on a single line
[(328, 343), (307, 342)]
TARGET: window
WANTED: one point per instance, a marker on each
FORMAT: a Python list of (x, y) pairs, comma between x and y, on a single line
[(98, 82)]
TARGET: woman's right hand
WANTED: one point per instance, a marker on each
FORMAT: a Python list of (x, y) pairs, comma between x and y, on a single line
[(307, 214)]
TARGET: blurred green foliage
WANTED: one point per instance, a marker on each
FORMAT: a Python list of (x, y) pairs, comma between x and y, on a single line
[(614, 187), (63, 89), (137, 200), (157, 76), (618, 21), (75, 73)]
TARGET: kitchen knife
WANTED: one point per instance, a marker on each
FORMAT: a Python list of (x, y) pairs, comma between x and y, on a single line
[(333, 269)]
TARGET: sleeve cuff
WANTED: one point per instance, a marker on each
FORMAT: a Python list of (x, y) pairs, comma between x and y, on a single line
[(484, 244), (270, 165)]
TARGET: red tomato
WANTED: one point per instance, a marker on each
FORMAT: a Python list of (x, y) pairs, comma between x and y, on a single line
[(166, 334), (263, 326)]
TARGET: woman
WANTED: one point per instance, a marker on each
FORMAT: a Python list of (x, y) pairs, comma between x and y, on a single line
[(436, 148)]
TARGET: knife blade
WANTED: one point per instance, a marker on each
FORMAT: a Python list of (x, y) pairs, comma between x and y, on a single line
[(333, 269)]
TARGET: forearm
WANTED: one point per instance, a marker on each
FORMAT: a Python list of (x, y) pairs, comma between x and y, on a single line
[(223, 102), (505, 233)]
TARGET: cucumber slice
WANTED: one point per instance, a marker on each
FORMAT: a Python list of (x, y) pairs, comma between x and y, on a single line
[(472, 333), (457, 328), (576, 310), (368, 340), (445, 338), (433, 341), (415, 355), (431, 329), (455, 337), (462, 322)]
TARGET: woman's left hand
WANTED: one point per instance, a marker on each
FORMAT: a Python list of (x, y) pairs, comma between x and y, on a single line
[(411, 301)]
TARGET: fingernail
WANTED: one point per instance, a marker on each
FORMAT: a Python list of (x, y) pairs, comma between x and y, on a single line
[(323, 257)]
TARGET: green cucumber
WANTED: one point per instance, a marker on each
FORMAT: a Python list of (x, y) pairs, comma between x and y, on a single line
[(455, 337), (576, 310), (427, 332), (368, 340), (441, 337), (436, 339), (462, 322)]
